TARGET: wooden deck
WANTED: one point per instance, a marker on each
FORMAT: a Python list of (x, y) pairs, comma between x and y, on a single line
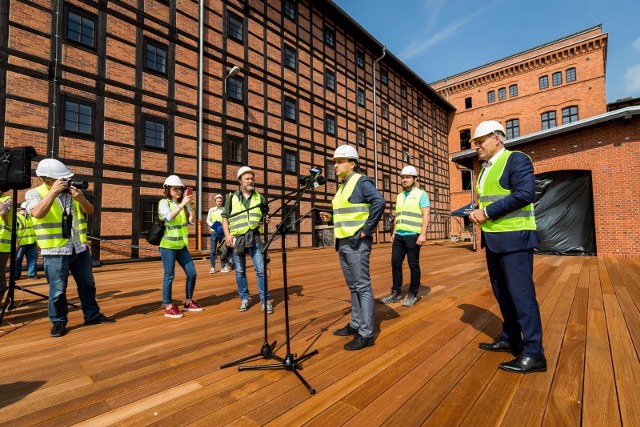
[(425, 369)]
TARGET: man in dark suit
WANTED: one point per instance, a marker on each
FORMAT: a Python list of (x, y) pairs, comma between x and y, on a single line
[(506, 191)]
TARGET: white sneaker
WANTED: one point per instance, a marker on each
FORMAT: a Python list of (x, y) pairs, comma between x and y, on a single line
[(244, 305), (269, 307), (213, 270), (225, 269)]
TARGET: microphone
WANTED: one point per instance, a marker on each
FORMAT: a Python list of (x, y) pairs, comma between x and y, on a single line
[(314, 178)]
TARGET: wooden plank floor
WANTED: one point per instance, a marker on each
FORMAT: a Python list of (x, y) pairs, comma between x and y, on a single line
[(425, 369)]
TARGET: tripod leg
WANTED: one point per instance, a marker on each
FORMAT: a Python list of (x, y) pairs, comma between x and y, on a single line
[(305, 357), (303, 381)]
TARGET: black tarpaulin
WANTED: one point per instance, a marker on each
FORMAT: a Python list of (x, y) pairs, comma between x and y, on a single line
[(564, 213)]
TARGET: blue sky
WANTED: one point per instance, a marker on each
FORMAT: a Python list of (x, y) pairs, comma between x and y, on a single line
[(438, 38)]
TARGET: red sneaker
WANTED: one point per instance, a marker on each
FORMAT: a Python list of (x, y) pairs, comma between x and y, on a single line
[(173, 312), (193, 306)]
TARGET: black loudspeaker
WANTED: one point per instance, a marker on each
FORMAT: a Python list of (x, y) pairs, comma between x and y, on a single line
[(15, 167)]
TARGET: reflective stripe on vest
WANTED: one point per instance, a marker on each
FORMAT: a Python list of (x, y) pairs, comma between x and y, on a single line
[(521, 219), (26, 234), (48, 229), (348, 218), (5, 229), (176, 231), (408, 211), (249, 220), (215, 215)]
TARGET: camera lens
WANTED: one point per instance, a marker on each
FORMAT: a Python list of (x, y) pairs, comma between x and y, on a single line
[(80, 185)]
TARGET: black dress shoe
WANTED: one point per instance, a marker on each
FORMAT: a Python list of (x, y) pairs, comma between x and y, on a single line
[(359, 342), (58, 330), (100, 319), (525, 364), (346, 331), (500, 346)]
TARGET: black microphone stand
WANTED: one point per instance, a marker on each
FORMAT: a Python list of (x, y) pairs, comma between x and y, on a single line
[(290, 362)]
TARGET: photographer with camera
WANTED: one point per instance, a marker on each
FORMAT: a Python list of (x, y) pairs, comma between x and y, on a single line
[(58, 210)]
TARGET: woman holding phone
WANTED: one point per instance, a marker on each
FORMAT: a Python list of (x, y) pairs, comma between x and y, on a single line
[(177, 210)]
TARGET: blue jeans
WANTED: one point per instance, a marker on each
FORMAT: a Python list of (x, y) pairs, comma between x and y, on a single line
[(57, 269), (215, 241), (240, 262), (31, 252), (169, 258)]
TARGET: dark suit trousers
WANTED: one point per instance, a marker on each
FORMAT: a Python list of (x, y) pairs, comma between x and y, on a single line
[(511, 275)]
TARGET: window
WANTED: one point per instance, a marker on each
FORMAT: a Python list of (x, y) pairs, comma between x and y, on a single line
[(331, 170), (513, 91), (330, 125), (405, 155), (386, 222), (502, 93), (330, 80), (491, 96), (385, 111), (420, 103), (290, 109), (569, 115), (81, 28), (513, 128), (290, 161), (403, 90), (361, 97), (149, 210), (290, 60), (421, 162), (291, 221), (466, 180), (155, 134), (386, 183), (434, 139), (360, 58), (235, 27), (405, 123), (155, 57), (384, 77), (465, 137), (556, 78), (420, 131), (435, 166), (78, 117), (468, 102), (235, 89), (289, 9), (571, 75), (361, 137), (330, 36), (385, 146), (544, 82), (548, 120), (436, 193), (235, 149)]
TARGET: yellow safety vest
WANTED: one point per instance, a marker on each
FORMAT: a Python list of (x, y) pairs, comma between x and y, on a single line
[(48, 229), (491, 191), (249, 220), (176, 231), (408, 211), (5, 229), (348, 218), (25, 230), (215, 215)]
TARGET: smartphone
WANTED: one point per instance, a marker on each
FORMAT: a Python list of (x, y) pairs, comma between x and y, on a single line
[(188, 191)]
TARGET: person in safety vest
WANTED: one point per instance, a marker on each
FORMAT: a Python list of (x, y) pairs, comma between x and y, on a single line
[(6, 204), (506, 192), (413, 210), (214, 219), (241, 222), (27, 245), (357, 208), (58, 212), (177, 209)]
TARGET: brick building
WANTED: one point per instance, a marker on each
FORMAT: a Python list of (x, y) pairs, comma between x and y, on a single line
[(112, 89), (607, 147), (549, 85)]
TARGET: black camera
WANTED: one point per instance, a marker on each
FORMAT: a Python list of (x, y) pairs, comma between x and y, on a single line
[(80, 185)]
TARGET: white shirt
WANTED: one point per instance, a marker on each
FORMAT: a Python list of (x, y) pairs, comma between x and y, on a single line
[(486, 166)]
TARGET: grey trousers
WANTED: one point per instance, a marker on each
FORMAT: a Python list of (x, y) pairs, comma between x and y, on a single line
[(355, 268)]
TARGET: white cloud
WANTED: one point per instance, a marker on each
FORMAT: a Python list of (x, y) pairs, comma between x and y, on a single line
[(416, 47), (636, 44), (632, 80)]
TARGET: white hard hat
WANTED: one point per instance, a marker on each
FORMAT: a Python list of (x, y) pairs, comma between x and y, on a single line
[(243, 170), (487, 127), (173, 181), (52, 168), (23, 205), (218, 196), (346, 152), (409, 170)]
